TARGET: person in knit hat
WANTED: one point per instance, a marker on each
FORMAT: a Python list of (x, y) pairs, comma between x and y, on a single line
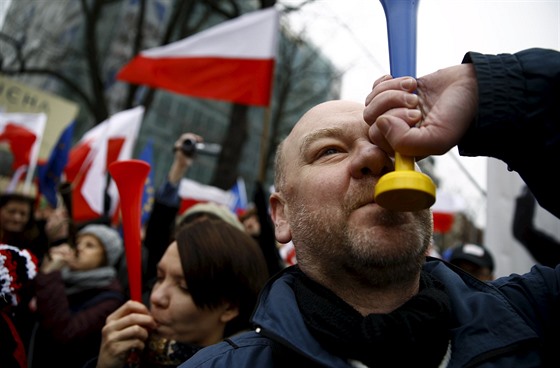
[(18, 268), (109, 238), (76, 289)]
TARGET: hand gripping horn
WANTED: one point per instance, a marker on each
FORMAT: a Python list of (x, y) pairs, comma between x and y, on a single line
[(130, 177), (403, 189)]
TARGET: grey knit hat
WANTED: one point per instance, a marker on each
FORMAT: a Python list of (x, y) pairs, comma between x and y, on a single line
[(109, 238)]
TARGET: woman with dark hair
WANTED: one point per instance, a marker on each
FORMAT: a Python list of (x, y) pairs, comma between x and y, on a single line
[(208, 281), (18, 226)]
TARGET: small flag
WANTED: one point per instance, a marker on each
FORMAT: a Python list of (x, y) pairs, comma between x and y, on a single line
[(239, 197), (192, 192), (147, 155), (49, 174), (23, 132), (112, 140)]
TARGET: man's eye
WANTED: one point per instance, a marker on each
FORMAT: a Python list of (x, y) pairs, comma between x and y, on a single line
[(329, 151)]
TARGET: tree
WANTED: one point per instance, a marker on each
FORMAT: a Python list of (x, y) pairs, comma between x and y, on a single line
[(74, 49)]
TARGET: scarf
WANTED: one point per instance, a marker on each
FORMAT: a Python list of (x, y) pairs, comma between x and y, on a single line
[(77, 281), (415, 334), (161, 353)]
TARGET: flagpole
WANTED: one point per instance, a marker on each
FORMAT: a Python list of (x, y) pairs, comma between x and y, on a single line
[(264, 144), (32, 166)]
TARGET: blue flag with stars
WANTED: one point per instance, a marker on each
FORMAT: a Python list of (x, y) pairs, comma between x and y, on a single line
[(147, 155), (50, 173)]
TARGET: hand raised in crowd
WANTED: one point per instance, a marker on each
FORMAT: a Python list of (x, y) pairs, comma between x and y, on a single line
[(424, 116), (58, 257), (181, 161), (57, 224), (126, 328)]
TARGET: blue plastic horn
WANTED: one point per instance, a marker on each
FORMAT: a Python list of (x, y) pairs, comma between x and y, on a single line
[(404, 189)]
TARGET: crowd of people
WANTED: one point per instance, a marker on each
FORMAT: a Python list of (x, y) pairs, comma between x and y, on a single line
[(202, 271), (365, 290)]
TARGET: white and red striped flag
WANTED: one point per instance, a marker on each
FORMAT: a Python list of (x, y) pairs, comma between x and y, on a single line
[(112, 140), (445, 208), (23, 132), (232, 61), (192, 192)]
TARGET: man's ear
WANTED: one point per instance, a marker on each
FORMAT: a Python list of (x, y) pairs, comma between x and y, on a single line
[(278, 212)]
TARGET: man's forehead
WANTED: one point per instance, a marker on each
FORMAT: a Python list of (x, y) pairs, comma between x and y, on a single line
[(331, 114)]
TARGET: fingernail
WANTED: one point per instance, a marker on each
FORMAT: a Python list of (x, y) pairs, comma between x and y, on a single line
[(414, 114), (411, 99), (407, 83)]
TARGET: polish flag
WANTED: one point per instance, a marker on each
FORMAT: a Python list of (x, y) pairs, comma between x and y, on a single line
[(23, 133), (232, 61), (445, 208), (192, 192), (112, 140)]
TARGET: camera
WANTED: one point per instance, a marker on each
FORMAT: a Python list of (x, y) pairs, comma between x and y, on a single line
[(190, 147)]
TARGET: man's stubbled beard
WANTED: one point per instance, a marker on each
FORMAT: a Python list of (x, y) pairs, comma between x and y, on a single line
[(390, 252)]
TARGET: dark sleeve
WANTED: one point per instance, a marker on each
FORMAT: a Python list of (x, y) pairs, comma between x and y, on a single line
[(536, 296), (544, 248), (518, 120), (158, 235), (56, 315), (267, 239)]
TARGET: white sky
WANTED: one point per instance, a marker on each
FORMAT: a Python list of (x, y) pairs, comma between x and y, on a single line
[(354, 34)]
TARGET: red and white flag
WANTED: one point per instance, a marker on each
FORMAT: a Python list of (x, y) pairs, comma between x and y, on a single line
[(445, 208), (23, 133), (112, 140), (232, 61), (192, 192)]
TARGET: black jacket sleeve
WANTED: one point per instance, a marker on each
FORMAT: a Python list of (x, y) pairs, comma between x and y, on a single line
[(518, 120)]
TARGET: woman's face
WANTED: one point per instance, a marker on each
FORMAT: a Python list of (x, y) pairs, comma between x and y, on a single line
[(90, 254), (174, 310), (14, 215)]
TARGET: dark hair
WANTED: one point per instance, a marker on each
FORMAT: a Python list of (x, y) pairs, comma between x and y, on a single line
[(30, 230), (222, 264), (16, 197)]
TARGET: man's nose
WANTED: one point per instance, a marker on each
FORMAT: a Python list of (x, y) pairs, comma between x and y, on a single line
[(369, 160)]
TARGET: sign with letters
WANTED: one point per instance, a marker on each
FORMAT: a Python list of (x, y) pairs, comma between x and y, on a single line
[(18, 97)]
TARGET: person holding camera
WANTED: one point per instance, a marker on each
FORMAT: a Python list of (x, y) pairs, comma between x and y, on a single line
[(160, 226)]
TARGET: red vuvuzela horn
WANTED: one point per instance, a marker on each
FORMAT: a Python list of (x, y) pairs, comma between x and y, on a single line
[(130, 177)]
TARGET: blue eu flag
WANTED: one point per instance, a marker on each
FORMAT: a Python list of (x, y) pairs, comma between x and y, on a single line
[(50, 173), (147, 155)]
